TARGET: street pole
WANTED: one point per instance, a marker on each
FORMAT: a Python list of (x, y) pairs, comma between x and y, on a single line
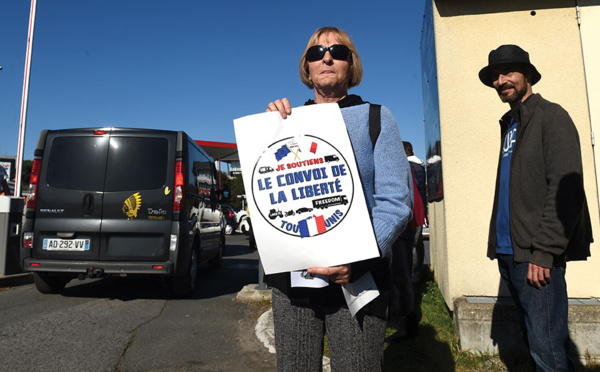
[(24, 99)]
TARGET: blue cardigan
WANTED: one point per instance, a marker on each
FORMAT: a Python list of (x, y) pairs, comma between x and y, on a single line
[(384, 173)]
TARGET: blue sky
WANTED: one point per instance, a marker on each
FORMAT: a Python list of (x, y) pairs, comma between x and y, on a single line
[(194, 65)]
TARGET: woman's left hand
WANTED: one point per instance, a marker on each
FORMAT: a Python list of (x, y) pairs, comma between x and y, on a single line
[(281, 105), (337, 274)]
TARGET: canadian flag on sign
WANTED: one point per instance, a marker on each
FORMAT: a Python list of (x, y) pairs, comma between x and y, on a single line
[(312, 226)]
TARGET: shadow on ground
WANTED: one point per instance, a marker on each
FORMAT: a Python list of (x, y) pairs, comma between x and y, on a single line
[(425, 352), (239, 268)]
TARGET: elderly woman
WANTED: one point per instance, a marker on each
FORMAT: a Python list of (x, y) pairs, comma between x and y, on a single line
[(330, 66)]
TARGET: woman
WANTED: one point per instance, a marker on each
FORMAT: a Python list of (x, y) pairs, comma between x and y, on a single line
[(330, 66)]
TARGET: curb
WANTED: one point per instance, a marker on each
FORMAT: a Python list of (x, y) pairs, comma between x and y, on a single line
[(251, 293), (16, 280), (265, 331)]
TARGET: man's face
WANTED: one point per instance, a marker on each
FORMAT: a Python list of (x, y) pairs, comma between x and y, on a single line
[(511, 82)]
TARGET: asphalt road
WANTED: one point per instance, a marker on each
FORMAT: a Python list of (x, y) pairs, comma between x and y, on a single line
[(127, 324)]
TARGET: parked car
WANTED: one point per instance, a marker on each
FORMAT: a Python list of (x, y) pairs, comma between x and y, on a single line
[(243, 222), (230, 219), (121, 202)]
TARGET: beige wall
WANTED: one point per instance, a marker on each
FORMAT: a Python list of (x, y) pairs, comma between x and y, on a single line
[(465, 32), (590, 29)]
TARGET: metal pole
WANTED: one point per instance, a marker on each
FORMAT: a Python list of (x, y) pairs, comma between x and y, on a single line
[(261, 276), (24, 99)]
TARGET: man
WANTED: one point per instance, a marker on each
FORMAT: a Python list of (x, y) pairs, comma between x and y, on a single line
[(407, 264), (5, 189), (420, 210), (540, 218)]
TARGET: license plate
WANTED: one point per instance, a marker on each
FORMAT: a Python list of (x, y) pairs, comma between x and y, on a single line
[(66, 244)]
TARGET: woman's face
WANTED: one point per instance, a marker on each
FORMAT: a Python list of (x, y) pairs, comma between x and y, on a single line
[(328, 74)]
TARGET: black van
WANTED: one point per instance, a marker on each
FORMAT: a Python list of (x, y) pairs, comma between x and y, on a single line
[(116, 201)]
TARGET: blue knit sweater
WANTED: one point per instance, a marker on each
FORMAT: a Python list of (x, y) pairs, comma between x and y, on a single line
[(384, 173)]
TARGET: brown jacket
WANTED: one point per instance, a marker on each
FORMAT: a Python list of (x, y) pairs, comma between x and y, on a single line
[(549, 217)]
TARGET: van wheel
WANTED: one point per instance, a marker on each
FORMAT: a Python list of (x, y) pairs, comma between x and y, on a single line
[(184, 286), (49, 284), (216, 262)]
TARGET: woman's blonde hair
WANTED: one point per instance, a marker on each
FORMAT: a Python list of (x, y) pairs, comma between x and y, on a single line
[(342, 37)]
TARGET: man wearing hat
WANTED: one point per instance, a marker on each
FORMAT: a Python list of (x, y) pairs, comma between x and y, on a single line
[(540, 218)]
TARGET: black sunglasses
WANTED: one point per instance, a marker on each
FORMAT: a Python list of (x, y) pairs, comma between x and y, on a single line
[(338, 51)]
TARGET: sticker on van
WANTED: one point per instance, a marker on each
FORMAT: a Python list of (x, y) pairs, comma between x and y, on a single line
[(132, 205)]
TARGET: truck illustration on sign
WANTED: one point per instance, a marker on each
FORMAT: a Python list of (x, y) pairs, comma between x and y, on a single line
[(330, 158), (330, 201)]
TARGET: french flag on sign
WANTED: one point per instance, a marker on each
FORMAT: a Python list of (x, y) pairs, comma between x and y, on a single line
[(313, 148), (312, 226)]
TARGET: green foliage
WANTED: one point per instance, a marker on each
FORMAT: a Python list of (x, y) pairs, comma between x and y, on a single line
[(436, 348), (236, 186), (26, 173)]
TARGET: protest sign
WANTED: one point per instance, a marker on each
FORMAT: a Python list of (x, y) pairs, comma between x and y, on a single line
[(303, 189)]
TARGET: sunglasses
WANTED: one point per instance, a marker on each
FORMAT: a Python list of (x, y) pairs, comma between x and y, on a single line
[(338, 51)]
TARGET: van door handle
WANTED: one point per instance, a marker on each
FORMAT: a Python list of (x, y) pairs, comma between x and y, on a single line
[(88, 204)]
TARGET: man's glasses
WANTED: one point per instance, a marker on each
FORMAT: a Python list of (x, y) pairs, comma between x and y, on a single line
[(338, 51)]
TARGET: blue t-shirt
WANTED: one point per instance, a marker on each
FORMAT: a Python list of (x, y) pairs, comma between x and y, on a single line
[(504, 242)]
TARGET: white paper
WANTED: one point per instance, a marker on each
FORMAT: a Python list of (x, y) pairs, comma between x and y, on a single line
[(360, 293), (303, 189), (302, 278)]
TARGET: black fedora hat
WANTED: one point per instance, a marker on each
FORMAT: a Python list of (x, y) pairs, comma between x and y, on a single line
[(507, 54)]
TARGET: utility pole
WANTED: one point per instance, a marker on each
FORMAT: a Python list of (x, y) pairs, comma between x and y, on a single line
[(24, 99)]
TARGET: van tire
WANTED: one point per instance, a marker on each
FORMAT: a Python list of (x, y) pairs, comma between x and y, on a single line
[(216, 262), (185, 285), (49, 284)]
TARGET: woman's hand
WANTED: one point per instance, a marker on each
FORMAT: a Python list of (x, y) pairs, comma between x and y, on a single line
[(337, 274), (281, 105)]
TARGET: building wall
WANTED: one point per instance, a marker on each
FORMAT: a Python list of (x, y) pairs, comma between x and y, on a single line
[(590, 29), (465, 32)]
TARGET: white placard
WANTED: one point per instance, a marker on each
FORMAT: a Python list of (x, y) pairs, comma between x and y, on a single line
[(304, 192), (306, 280), (360, 293)]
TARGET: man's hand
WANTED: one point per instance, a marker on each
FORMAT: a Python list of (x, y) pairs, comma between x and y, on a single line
[(281, 105), (337, 274), (538, 276)]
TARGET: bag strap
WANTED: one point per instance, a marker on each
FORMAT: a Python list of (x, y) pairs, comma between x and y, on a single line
[(374, 123)]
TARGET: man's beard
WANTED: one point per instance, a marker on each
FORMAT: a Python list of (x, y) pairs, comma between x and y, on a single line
[(512, 97)]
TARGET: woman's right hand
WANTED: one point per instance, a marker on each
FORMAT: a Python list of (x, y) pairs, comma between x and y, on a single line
[(281, 105)]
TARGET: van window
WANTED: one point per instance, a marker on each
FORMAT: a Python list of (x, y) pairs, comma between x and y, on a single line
[(77, 163), (200, 176), (137, 163)]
